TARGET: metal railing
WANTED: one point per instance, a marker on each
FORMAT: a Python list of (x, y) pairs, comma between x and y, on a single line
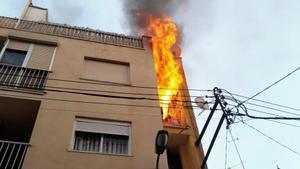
[(12, 154), (22, 77), (73, 32)]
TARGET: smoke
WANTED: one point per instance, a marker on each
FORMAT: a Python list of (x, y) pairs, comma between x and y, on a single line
[(136, 11), (67, 13)]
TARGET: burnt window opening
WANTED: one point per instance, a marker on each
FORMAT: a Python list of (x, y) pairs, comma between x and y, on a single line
[(174, 160)]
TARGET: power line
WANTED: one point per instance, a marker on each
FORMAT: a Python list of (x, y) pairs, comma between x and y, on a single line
[(283, 111), (99, 83), (298, 68), (135, 93), (263, 112), (116, 92), (245, 109), (109, 96), (274, 104), (111, 113), (266, 107), (236, 149), (125, 85), (270, 118), (97, 90), (226, 151), (272, 139), (279, 122), (88, 102)]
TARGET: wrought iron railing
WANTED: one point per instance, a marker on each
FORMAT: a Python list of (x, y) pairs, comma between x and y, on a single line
[(22, 77), (12, 154)]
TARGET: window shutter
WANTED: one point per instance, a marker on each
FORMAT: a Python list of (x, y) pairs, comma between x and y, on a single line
[(98, 70), (17, 45), (41, 57), (103, 127)]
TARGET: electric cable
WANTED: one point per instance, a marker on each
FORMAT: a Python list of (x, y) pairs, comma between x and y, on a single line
[(272, 118), (262, 106), (279, 122), (125, 85), (263, 101), (283, 111), (236, 149), (88, 102), (108, 96), (268, 87), (226, 151), (97, 112), (272, 139), (241, 105), (91, 90)]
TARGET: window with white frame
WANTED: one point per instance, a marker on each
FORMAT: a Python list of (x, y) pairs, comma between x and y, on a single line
[(102, 136), (13, 57)]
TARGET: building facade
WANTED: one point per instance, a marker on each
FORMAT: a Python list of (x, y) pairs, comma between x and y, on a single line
[(74, 98)]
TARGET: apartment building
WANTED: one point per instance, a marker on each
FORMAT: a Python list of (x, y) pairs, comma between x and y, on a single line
[(77, 98)]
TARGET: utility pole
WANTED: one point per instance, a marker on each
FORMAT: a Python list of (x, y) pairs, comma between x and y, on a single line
[(219, 101)]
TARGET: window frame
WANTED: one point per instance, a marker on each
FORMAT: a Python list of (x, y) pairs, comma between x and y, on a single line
[(107, 61), (111, 122), (27, 56)]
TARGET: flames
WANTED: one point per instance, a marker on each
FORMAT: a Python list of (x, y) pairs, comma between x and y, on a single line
[(166, 49)]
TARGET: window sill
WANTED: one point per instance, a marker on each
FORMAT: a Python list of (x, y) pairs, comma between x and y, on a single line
[(98, 153)]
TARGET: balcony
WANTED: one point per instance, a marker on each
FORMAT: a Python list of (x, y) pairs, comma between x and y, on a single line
[(21, 77), (17, 120), (12, 154)]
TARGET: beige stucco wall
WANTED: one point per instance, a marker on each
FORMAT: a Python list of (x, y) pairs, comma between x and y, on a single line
[(52, 136), (51, 141)]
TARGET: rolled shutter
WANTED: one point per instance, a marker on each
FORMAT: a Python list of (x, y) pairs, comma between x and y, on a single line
[(103, 127), (41, 57), (18, 45), (98, 70)]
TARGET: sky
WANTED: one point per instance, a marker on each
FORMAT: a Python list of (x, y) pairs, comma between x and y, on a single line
[(242, 46)]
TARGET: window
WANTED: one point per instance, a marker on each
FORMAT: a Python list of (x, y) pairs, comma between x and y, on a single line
[(102, 136), (109, 71), (13, 57)]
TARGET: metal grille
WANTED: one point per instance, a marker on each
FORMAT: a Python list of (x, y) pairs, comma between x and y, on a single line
[(21, 77), (102, 143), (12, 154)]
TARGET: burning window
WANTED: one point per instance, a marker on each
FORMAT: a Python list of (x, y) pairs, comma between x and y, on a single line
[(154, 18), (170, 80)]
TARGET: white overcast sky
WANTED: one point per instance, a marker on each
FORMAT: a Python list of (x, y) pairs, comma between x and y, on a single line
[(240, 45)]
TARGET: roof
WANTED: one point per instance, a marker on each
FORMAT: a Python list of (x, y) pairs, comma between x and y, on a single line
[(74, 32)]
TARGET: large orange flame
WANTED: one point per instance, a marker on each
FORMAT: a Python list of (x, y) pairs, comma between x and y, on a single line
[(165, 46)]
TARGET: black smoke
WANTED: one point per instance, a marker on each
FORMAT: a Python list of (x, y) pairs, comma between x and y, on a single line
[(136, 11)]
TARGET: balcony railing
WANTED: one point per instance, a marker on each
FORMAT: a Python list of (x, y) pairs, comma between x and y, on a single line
[(12, 154), (73, 32), (21, 77)]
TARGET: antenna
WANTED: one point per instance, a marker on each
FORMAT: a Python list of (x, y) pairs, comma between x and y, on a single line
[(200, 102)]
